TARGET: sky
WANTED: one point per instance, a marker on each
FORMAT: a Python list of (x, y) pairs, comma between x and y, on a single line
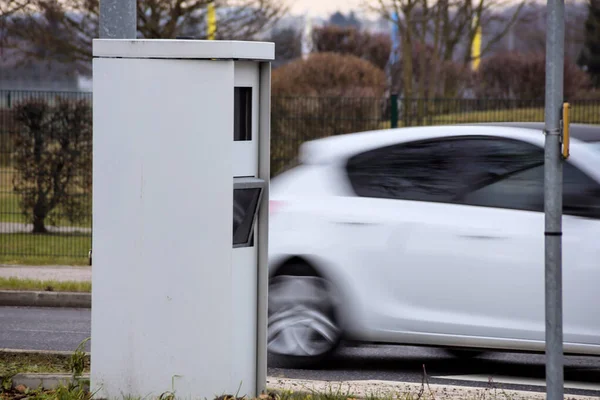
[(323, 7)]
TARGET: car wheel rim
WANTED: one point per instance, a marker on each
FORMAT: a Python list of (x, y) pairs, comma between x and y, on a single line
[(301, 318)]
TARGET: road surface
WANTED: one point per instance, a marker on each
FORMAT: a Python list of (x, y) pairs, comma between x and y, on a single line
[(64, 329)]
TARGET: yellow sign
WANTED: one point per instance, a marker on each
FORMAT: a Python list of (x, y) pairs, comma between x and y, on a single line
[(565, 130), (211, 21), (476, 48)]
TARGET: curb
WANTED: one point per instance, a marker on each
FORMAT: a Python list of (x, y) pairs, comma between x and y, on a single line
[(21, 298), (48, 381), (36, 352)]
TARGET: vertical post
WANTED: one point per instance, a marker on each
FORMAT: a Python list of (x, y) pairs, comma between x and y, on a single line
[(264, 172), (553, 199), (211, 21), (118, 19), (394, 111), (306, 42)]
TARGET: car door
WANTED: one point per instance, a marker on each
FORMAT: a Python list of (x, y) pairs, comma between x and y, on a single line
[(581, 255), (453, 242), (442, 267), (494, 240), (524, 191)]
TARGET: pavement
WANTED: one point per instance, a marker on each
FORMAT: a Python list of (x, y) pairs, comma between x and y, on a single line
[(55, 272), (44, 328), (386, 389), (17, 227)]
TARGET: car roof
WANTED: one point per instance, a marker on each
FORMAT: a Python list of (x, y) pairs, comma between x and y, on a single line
[(333, 148), (584, 132)]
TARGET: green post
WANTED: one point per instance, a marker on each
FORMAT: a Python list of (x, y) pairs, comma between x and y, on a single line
[(394, 111)]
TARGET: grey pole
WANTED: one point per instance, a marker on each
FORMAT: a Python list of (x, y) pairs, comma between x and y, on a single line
[(118, 19), (553, 181)]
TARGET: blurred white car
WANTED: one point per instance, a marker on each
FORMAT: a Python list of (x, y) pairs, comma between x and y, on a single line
[(430, 236)]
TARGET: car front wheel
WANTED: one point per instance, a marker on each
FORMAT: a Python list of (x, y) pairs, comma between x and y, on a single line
[(302, 326)]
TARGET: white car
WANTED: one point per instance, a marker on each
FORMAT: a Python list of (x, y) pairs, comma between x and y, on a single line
[(430, 236)]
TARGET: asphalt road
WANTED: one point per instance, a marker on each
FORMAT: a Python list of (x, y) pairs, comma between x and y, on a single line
[(64, 329)]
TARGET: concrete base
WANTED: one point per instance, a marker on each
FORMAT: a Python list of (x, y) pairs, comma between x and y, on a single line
[(47, 381)]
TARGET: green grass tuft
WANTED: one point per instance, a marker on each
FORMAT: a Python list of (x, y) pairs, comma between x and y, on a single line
[(30, 362), (45, 286), (45, 249)]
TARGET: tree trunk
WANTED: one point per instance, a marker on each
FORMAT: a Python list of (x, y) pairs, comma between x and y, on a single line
[(407, 74), (38, 224)]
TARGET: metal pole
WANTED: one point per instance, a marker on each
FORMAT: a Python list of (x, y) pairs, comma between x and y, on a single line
[(394, 111), (553, 177), (118, 19)]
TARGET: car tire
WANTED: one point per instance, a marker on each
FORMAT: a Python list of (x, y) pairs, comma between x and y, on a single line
[(303, 328)]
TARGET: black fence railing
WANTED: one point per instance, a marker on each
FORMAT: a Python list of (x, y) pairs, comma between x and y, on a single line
[(31, 140), (45, 177)]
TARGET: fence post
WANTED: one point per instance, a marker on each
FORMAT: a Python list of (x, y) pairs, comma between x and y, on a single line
[(9, 100), (394, 111)]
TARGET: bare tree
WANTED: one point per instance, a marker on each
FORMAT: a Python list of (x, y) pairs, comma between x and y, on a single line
[(7, 9), (64, 29), (485, 13), (531, 28), (589, 58), (288, 44), (446, 26), (10, 7)]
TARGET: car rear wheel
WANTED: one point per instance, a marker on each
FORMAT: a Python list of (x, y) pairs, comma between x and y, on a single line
[(302, 324)]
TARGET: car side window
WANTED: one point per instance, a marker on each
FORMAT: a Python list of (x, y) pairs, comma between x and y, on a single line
[(469, 170), (425, 170), (525, 191), (581, 193), (439, 170)]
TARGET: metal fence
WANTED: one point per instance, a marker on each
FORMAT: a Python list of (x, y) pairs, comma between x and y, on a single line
[(294, 121), (45, 177)]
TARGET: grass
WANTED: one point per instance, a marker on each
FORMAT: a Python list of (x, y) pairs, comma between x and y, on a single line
[(75, 364), (10, 209), (44, 249), (37, 249), (45, 286), (29, 362), (587, 114)]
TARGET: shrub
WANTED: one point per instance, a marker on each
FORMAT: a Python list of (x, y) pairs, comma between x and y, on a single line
[(373, 47), (6, 136), (53, 160), (329, 74), (523, 76), (326, 94)]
